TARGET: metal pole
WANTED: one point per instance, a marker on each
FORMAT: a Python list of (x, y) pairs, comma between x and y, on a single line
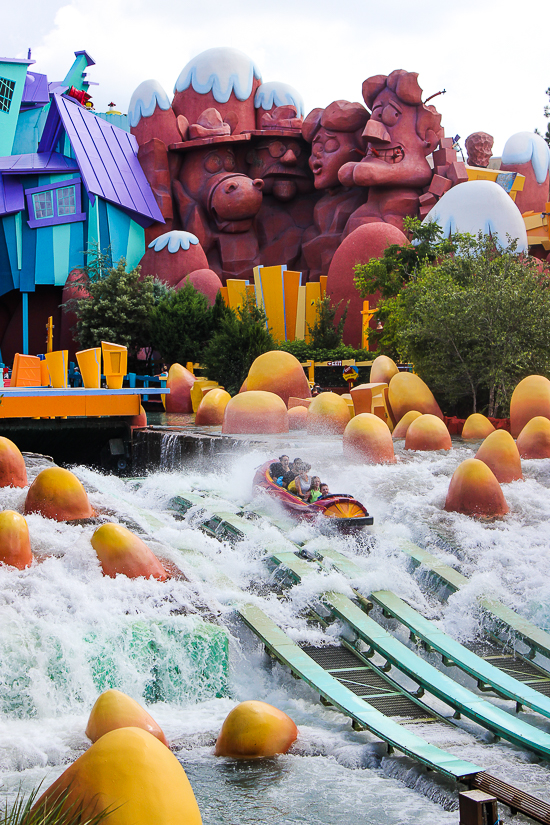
[(25, 299)]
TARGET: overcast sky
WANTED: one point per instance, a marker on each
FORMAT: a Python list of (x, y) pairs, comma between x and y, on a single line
[(492, 57)]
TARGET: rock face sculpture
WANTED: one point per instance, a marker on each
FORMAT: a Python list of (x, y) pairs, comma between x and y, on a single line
[(479, 146)]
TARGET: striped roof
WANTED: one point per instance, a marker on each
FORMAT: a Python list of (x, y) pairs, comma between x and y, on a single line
[(36, 163)]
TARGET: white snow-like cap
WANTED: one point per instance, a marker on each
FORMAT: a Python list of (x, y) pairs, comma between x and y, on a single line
[(480, 205), (175, 240), (528, 146), (221, 71), (145, 100), (275, 93)]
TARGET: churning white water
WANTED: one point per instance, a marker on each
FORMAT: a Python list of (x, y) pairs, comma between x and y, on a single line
[(67, 632)]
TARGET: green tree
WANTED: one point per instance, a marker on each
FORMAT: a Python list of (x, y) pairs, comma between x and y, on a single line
[(325, 332)]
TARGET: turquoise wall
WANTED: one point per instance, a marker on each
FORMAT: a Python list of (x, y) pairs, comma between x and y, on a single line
[(16, 72)]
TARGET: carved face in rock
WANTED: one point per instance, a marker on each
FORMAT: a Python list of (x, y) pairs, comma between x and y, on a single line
[(281, 162), (214, 176), (329, 151)]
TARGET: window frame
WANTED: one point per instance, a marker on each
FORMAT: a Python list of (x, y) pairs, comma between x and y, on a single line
[(10, 85), (55, 219)]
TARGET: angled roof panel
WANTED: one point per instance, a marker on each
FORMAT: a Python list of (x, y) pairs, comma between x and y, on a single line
[(37, 162), (12, 198), (36, 89)]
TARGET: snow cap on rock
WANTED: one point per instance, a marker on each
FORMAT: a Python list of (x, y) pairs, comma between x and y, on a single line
[(221, 71), (276, 93), (145, 100), (175, 240)]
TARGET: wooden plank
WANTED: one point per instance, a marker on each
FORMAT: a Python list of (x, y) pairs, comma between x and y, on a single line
[(291, 284)]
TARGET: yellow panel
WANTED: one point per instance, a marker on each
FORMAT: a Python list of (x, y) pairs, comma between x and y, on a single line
[(313, 294), (225, 296), (57, 364), (40, 407), (273, 298), (323, 281), (112, 405), (301, 314), (197, 391), (258, 285), (519, 183), (236, 291), (292, 285), (533, 221), (251, 292)]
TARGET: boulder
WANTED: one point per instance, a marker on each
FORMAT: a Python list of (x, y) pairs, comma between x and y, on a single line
[(368, 437), (58, 494), (15, 544), (474, 491), (427, 432), (534, 440), (113, 710), (530, 398), (254, 729), (476, 427), (255, 411), (499, 452), (327, 413), (121, 552), (180, 383), (278, 372), (404, 423), (409, 392), (13, 472), (383, 369), (212, 408), (297, 418)]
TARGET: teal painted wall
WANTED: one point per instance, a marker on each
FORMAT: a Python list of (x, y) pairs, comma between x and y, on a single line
[(16, 72)]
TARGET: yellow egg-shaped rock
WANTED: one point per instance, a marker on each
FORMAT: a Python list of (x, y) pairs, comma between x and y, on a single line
[(404, 423), (113, 710), (409, 392), (534, 440), (13, 472), (57, 493), (369, 438), (474, 491), (254, 729), (180, 383), (121, 552), (15, 544), (255, 412), (531, 397), (278, 372), (212, 408), (132, 775), (427, 432), (297, 418), (476, 426), (499, 452), (383, 369), (328, 413)]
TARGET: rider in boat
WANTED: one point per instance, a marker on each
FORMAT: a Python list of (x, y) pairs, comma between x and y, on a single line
[(315, 489), (280, 471), (301, 485)]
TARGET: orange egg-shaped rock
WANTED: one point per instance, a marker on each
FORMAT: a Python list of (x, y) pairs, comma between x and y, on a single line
[(383, 369), (427, 432), (474, 491), (140, 420), (212, 408), (278, 372), (113, 710), (297, 418), (534, 440), (205, 281), (180, 383), (531, 397), (254, 729), (255, 412), (500, 453), (409, 392), (57, 493), (120, 551), (327, 413), (400, 430), (476, 426), (13, 472), (15, 544), (131, 774), (368, 438)]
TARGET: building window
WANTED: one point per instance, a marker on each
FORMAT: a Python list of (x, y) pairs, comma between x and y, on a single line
[(6, 93), (55, 204)]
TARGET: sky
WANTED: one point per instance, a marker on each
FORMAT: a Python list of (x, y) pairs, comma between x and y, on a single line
[(491, 57)]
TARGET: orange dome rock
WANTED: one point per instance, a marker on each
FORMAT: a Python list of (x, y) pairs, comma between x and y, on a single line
[(57, 493), (255, 729), (409, 392), (499, 452), (427, 432), (278, 372), (327, 413), (383, 369), (113, 710), (255, 411), (474, 491), (297, 418), (369, 438), (13, 472), (530, 398), (212, 408), (15, 544), (180, 383), (404, 423), (534, 440), (476, 426), (120, 551)]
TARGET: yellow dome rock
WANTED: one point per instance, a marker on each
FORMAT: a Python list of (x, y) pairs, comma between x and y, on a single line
[(327, 413), (530, 398), (13, 472), (255, 729), (15, 544), (131, 774), (383, 369), (120, 551), (180, 383), (368, 437), (534, 440), (278, 372), (212, 407), (499, 452), (474, 491), (409, 392), (297, 418), (427, 432), (476, 427), (404, 423), (57, 493), (255, 411), (113, 710)]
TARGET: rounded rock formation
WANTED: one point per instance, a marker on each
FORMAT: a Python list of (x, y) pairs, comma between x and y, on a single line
[(531, 397), (534, 440), (474, 491), (114, 710), (121, 552), (368, 437), (15, 544), (254, 729), (476, 426), (212, 408), (409, 392), (180, 383), (278, 372), (427, 432), (297, 418), (327, 413), (132, 775), (500, 454), (205, 281), (57, 493), (255, 412), (404, 423), (13, 472), (383, 369)]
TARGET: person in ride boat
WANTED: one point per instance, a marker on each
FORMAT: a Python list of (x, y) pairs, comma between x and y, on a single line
[(281, 472), (302, 483), (325, 493), (315, 491)]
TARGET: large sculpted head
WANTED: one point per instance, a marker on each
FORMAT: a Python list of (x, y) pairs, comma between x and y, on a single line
[(335, 134), (479, 146), (401, 133)]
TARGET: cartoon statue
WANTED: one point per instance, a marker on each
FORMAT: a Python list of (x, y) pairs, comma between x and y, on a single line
[(479, 146)]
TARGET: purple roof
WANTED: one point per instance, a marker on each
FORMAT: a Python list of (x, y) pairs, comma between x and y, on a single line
[(36, 89), (36, 163), (106, 157), (12, 198)]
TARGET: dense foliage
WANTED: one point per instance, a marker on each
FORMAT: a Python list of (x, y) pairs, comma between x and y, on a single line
[(325, 332)]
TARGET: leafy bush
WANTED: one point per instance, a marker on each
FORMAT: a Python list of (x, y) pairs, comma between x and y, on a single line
[(325, 332)]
